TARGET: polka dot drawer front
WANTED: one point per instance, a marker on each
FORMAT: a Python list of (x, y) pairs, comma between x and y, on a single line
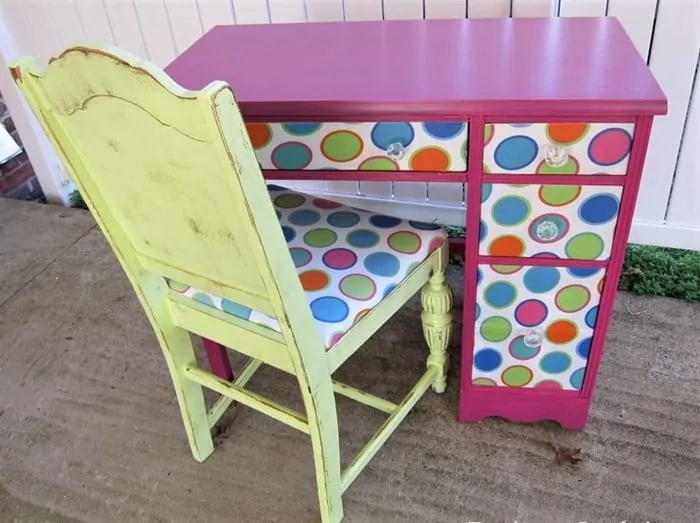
[(557, 148), (384, 146), (534, 325), (348, 260), (554, 221)]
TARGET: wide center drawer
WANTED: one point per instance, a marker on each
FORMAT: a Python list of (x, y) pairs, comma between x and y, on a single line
[(534, 325), (562, 221), (565, 148), (363, 146)]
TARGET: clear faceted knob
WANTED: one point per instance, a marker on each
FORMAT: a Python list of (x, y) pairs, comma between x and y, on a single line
[(547, 230), (396, 151), (555, 155), (533, 338)]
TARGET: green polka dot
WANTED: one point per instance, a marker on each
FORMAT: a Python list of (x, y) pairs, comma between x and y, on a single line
[(488, 132), (341, 146), (464, 152), (517, 376), (487, 169), (358, 287), (289, 201), (378, 164), (320, 238), (572, 298), (495, 328), (558, 195), (487, 382), (177, 286), (585, 246), (570, 167), (405, 242), (506, 269)]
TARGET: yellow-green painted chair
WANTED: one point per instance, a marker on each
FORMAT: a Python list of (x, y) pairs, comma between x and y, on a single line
[(210, 249)]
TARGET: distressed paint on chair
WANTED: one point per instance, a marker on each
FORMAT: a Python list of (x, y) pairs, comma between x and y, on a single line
[(138, 147)]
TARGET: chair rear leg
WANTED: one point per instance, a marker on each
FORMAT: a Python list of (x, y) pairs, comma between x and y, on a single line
[(436, 299), (178, 351)]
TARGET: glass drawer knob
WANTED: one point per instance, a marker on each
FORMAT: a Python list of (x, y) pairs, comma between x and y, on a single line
[(555, 155), (547, 230), (396, 151), (533, 338)]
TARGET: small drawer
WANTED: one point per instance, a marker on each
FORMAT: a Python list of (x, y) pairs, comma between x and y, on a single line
[(534, 325), (557, 148), (363, 146), (559, 221)]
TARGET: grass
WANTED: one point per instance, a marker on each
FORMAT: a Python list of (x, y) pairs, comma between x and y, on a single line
[(648, 270)]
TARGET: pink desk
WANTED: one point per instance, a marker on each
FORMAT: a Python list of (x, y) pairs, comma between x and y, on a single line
[(546, 120)]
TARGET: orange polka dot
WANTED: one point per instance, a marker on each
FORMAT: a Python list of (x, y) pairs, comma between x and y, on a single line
[(506, 246), (314, 280), (259, 133), (562, 331), (430, 159), (360, 315), (600, 285), (566, 133)]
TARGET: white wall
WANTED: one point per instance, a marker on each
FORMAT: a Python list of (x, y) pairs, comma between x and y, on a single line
[(666, 32)]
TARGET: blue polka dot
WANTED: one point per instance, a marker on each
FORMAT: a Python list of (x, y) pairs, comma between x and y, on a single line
[(516, 152), (329, 309), (555, 362), (483, 230), (301, 128), (389, 289), (203, 298), (443, 130), (511, 210), (576, 378), (592, 316), (386, 133), (362, 238), (582, 272), (479, 276), (289, 233), (543, 254), (300, 256), (519, 125), (599, 209), (477, 311), (343, 219), (384, 222), (304, 217), (500, 294), (275, 188), (382, 264), (291, 156), (520, 351), (541, 279), (424, 226), (487, 360), (236, 309), (486, 190), (583, 348)]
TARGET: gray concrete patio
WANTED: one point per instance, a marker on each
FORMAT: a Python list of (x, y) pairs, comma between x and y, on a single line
[(90, 431)]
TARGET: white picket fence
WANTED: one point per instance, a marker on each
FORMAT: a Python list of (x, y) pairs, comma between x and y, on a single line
[(666, 32)]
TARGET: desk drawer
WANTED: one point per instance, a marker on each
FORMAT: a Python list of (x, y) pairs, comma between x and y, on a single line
[(534, 325), (557, 148), (561, 221), (364, 146)]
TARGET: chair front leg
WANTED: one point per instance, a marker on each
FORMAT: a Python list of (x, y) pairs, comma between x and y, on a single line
[(436, 299)]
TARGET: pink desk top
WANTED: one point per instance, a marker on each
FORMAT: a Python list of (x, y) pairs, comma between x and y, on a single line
[(498, 67)]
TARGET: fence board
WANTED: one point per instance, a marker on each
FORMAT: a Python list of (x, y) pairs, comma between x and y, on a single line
[(95, 22), (582, 7), (250, 11), (215, 12), (637, 17), (287, 11), (185, 23), (445, 8), (155, 27), (673, 60), (125, 26), (530, 8), (488, 8), (356, 10), (65, 19)]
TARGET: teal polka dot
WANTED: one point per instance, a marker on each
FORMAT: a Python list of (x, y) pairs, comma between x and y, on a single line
[(500, 294), (555, 362), (520, 351), (382, 264), (385, 133), (516, 152), (343, 219), (236, 309), (291, 156), (362, 238), (300, 256), (203, 298), (301, 128), (541, 279), (576, 379), (304, 217), (511, 210)]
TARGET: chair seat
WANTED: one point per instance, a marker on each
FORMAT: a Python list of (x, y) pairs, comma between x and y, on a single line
[(348, 259)]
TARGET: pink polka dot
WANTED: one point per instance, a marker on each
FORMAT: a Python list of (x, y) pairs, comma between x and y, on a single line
[(335, 338), (339, 259), (548, 384), (326, 204), (530, 313), (435, 244), (609, 147)]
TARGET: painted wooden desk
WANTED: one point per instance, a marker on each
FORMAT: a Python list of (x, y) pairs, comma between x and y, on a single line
[(547, 121)]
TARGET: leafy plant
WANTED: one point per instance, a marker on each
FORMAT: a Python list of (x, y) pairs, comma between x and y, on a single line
[(76, 200)]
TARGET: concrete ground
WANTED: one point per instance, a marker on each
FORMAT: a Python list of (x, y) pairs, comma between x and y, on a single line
[(90, 431)]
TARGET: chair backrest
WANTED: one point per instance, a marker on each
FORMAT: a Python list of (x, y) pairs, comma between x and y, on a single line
[(171, 177)]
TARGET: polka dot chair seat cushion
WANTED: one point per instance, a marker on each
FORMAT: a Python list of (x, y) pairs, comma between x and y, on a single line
[(348, 260)]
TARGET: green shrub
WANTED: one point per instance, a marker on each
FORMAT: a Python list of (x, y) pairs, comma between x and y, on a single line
[(76, 200)]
